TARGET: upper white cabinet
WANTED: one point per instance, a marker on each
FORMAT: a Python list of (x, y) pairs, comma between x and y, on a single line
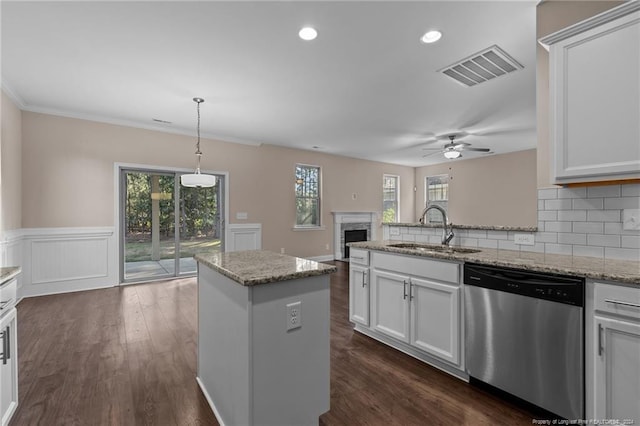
[(594, 87)]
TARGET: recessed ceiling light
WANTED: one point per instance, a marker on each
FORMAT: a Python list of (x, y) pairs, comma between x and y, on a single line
[(431, 36), (308, 33)]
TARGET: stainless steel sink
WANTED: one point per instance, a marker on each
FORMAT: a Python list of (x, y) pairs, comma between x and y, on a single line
[(433, 247)]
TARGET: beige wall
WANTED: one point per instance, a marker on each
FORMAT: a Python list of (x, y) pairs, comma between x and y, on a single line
[(497, 190), (69, 163), (11, 166), (552, 16)]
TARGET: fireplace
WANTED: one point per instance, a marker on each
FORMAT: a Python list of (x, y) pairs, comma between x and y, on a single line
[(352, 221), (352, 236)]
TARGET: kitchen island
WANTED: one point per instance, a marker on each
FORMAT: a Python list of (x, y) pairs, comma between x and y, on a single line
[(263, 337)]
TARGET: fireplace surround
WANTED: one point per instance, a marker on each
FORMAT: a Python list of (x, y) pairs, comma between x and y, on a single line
[(351, 221)]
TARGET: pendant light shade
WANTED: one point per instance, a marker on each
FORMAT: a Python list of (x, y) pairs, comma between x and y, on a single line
[(197, 179)]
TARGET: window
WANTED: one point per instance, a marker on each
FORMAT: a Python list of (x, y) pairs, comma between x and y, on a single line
[(390, 198), (436, 192), (307, 196)]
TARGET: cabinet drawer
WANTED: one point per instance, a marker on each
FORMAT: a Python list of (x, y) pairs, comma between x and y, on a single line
[(359, 257), (418, 266), (617, 300), (8, 296)]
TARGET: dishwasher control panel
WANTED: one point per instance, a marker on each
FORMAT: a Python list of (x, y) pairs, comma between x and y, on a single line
[(552, 287)]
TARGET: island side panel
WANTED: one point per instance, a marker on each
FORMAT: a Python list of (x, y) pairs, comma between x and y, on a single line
[(223, 345), (291, 368)]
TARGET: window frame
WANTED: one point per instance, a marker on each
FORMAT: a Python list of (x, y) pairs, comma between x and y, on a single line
[(397, 195), (317, 225), (444, 203)]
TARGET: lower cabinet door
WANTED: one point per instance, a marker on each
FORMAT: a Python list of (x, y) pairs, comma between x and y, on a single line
[(435, 324), (8, 367), (359, 294), (390, 304), (617, 370)]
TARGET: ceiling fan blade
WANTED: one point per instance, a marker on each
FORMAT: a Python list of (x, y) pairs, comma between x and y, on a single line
[(432, 149), (461, 145), (476, 149)]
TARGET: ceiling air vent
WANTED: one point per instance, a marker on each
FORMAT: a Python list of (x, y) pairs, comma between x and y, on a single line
[(482, 66)]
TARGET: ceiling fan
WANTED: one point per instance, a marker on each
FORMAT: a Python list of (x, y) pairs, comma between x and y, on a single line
[(453, 150)]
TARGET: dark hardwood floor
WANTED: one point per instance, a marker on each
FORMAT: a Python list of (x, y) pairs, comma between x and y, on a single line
[(127, 356)]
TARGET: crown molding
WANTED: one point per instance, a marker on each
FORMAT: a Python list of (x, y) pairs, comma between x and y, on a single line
[(17, 99)]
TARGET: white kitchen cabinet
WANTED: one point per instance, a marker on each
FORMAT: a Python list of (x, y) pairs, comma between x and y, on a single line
[(8, 366), (594, 102), (359, 294), (359, 291), (435, 318), (390, 304), (416, 301), (613, 380)]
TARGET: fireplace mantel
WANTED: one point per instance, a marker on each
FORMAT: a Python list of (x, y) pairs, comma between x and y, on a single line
[(348, 217)]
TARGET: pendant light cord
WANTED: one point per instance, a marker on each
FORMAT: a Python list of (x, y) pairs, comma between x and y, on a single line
[(198, 152)]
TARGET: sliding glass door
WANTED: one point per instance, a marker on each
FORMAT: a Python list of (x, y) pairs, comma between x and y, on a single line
[(164, 224)]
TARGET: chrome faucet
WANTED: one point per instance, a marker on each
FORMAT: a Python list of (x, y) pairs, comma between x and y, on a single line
[(447, 235)]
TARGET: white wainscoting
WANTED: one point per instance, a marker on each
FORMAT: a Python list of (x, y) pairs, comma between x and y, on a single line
[(61, 260), (244, 236), (11, 253)]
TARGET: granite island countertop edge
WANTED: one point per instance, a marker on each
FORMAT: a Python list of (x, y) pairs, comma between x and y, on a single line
[(8, 272), (255, 267)]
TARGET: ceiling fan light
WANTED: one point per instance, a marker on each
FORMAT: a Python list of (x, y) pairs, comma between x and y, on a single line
[(451, 154)]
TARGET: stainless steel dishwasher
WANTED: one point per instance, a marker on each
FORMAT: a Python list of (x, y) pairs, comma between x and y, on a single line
[(524, 334)]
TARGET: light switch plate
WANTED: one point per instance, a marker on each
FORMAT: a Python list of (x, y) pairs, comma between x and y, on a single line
[(242, 215), (524, 239), (631, 219)]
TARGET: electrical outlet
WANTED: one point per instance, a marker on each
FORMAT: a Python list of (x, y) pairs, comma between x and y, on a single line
[(524, 239), (282, 250), (294, 315), (631, 219)]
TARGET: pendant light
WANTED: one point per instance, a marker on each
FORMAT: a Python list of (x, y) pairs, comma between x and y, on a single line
[(197, 179)]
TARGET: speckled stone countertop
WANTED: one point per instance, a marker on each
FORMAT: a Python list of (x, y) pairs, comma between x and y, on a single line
[(481, 227), (262, 267), (623, 271), (8, 272)]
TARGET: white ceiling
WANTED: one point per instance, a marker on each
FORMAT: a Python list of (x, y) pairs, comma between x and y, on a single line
[(366, 87)]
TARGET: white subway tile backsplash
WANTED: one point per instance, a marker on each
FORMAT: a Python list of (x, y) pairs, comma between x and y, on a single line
[(547, 194), (468, 242), (617, 228), (588, 227), (571, 238), (603, 215), (572, 215), (508, 245), (435, 239), (588, 204), (536, 248), (422, 239), (603, 240), (564, 204), (572, 193), (631, 190), (588, 251), (558, 248), (497, 235), (621, 253), (414, 231), (603, 191), (622, 203), (547, 237), (477, 234), (557, 227), (408, 237), (548, 215), (630, 241), (540, 204), (488, 244)]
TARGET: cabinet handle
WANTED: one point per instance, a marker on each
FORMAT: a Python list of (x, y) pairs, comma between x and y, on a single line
[(599, 339), (5, 345), (364, 276), (404, 289), (410, 290), (356, 257), (4, 303), (620, 302)]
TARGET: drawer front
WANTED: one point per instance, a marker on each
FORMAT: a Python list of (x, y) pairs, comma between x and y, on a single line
[(440, 270), (618, 300), (8, 296), (359, 257)]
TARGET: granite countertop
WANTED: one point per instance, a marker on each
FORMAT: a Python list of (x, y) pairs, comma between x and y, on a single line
[(262, 267), (623, 271), (8, 272), (481, 227)]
